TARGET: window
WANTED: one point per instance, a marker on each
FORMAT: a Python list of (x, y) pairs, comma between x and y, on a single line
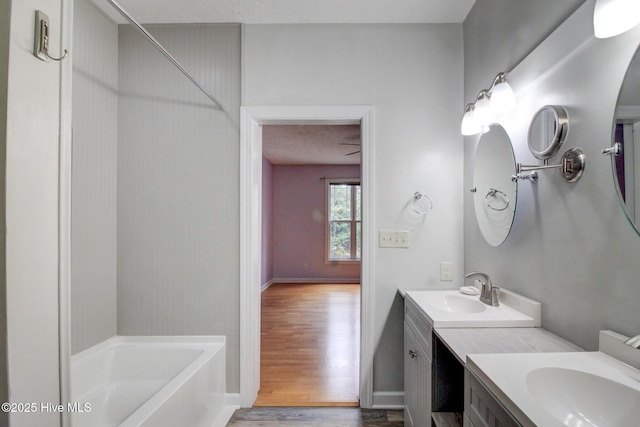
[(344, 228)]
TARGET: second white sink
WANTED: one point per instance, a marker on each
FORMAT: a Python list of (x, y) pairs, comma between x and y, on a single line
[(581, 399), (583, 389)]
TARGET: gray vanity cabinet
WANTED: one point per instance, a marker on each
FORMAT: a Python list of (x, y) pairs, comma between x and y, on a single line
[(481, 408), (417, 368)]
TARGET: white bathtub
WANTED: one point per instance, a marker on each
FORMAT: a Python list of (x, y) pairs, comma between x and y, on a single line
[(151, 382)]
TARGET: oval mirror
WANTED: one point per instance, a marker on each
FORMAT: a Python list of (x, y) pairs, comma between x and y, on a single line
[(547, 131), (626, 133), (494, 194)]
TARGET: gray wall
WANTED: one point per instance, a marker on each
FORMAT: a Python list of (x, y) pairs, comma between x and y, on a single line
[(93, 209), (32, 214), (178, 185), (412, 76), (5, 19), (570, 246)]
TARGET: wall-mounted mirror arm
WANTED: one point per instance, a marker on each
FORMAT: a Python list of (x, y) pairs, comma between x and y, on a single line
[(614, 150), (525, 176), (571, 166)]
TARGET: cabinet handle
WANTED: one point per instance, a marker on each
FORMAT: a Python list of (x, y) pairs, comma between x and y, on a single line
[(413, 354)]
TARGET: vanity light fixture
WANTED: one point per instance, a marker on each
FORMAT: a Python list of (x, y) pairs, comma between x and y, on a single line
[(502, 97), (613, 17), (470, 125), (499, 98)]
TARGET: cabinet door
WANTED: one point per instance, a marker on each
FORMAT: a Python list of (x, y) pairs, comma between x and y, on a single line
[(482, 408), (417, 382)]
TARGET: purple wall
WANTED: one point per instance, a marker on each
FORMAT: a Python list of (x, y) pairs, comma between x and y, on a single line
[(298, 223), (267, 223)]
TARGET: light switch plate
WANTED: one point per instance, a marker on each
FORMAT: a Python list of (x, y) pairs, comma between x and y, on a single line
[(446, 271), (393, 238)]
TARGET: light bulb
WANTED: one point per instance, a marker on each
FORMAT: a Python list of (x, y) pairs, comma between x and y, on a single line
[(502, 98), (613, 17), (483, 112), (469, 125)]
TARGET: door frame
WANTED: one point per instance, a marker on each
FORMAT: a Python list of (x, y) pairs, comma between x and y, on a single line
[(251, 121)]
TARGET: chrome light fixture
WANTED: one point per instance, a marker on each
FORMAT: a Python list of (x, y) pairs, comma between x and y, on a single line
[(613, 17), (498, 99)]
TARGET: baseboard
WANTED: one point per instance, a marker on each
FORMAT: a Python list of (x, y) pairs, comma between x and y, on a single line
[(388, 400), (232, 399), (265, 286), (231, 403), (310, 280)]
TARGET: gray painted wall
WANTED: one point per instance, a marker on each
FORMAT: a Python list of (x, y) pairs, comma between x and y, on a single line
[(93, 208), (412, 76), (5, 19), (32, 215), (570, 246), (178, 187)]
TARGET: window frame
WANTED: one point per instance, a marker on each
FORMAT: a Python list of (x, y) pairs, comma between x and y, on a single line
[(353, 182)]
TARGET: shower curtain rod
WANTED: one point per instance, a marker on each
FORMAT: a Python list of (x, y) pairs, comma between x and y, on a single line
[(162, 50)]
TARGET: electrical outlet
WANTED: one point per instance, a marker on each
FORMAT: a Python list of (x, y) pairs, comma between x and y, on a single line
[(393, 238), (446, 271)]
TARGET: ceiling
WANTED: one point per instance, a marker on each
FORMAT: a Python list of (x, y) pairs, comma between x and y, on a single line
[(311, 144), (292, 11)]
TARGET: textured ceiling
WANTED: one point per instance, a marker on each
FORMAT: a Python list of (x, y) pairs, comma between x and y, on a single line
[(311, 144), (292, 11)]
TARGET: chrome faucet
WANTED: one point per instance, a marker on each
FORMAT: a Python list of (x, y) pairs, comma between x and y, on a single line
[(489, 291), (634, 342)]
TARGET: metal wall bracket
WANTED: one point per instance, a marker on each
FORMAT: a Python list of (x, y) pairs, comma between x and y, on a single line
[(41, 38), (614, 150), (571, 166)]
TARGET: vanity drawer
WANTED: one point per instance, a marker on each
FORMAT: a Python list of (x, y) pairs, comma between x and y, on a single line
[(481, 406), (418, 324)]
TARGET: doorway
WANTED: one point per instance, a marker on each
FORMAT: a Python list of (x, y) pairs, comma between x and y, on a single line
[(252, 120), (311, 251)]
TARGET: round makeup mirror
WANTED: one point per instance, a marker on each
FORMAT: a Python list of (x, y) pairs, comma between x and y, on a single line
[(494, 193), (547, 131), (625, 153)]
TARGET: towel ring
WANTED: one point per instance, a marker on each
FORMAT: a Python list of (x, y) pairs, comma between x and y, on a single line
[(417, 196), (492, 193)]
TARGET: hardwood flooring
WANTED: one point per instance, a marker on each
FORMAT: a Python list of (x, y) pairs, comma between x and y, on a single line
[(310, 345), (316, 417)]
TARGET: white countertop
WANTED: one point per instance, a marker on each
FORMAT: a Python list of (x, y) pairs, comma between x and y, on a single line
[(503, 316)]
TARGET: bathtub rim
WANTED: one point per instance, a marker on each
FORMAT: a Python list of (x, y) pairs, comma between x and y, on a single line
[(182, 341)]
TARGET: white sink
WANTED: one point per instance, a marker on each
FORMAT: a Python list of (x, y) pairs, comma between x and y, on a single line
[(584, 389), (456, 304), (580, 399), (452, 309)]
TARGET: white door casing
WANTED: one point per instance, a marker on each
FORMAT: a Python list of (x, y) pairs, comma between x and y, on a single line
[(251, 121)]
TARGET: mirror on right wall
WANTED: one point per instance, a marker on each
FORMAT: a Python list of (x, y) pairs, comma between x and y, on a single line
[(625, 150)]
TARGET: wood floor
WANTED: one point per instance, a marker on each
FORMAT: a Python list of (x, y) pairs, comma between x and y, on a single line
[(316, 417), (310, 345)]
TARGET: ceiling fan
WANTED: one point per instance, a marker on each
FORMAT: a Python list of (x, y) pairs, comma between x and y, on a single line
[(351, 143)]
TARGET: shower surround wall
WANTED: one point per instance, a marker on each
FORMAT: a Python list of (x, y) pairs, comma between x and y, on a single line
[(155, 184), (178, 186), (93, 209)]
